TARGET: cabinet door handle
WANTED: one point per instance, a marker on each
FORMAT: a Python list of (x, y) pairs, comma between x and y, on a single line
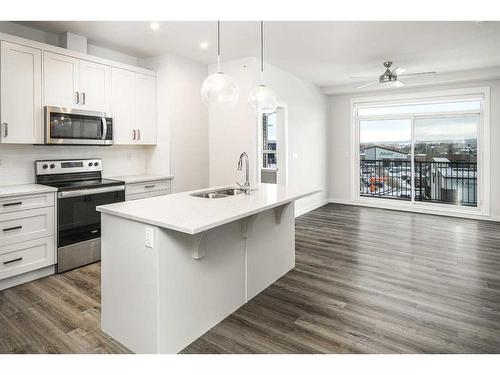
[(149, 186), (5, 129), (12, 204), (83, 98), (12, 228), (133, 134), (13, 260), (138, 134), (77, 97)]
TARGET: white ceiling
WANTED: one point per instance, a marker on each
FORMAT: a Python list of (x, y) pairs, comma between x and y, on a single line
[(326, 53)]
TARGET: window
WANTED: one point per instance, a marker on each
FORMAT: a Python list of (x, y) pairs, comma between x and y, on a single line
[(423, 151), (269, 141)]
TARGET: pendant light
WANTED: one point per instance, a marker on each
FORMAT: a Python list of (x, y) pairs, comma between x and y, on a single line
[(219, 90), (262, 99)]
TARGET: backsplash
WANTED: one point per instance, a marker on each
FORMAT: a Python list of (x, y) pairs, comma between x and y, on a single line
[(17, 162)]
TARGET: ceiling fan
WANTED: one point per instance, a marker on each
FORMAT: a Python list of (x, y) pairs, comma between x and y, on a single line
[(390, 78)]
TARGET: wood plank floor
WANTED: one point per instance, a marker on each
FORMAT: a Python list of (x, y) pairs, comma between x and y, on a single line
[(366, 281)]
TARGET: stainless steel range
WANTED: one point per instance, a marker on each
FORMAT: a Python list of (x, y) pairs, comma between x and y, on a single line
[(81, 189)]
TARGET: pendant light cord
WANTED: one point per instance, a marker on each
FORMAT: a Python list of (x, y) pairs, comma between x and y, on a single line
[(262, 51), (218, 47)]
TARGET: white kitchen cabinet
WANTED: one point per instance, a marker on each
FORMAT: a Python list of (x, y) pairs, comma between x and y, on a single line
[(123, 106), (145, 109), (27, 238), (21, 94), (94, 86), (133, 107), (147, 189), (61, 80), (75, 83)]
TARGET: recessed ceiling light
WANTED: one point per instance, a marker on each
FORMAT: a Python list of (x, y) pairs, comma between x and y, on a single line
[(154, 25), (204, 45)]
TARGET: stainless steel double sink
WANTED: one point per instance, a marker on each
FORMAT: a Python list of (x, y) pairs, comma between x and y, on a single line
[(219, 193)]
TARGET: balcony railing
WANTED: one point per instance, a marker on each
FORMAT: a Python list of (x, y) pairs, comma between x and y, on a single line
[(441, 182)]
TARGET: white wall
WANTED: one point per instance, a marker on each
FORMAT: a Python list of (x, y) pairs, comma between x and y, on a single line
[(182, 136), (234, 131), (340, 149), (17, 161)]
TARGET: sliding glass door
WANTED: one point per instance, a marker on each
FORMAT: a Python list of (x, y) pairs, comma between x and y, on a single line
[(384, 164), (445, 158), (420, 152)]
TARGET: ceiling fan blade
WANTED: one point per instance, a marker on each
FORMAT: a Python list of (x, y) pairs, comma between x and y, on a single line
[(417, 74), (398, 71), (367, 85), (399, 83), (359, 77)]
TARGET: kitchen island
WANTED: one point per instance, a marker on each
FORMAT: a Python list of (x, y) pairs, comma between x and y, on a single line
[(174, 266)]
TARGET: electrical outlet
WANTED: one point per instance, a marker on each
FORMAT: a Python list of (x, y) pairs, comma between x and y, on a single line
[(148, 237)]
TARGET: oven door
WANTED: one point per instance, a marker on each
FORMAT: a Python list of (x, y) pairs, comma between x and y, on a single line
[(79, 225), (77, 217), (71, 126)]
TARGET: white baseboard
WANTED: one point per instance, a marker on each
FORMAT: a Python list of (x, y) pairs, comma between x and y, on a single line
[(305, 210), (416, 210), (25, 277)]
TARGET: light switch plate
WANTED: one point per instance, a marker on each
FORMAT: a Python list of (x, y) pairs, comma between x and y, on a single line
[(148, 237)]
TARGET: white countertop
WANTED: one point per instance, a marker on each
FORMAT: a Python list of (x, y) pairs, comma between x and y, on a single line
[(185, 213), (24, 189), (141, 178)]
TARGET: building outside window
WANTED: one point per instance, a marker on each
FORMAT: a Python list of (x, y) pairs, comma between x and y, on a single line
[(269, 151)]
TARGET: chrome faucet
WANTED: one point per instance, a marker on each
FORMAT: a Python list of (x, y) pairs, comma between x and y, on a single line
[(246, 186)]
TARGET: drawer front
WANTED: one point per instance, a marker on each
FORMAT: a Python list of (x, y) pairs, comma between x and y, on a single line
[(27, 256), (26, 225), (145, 187), (26, 202), (133, 197)]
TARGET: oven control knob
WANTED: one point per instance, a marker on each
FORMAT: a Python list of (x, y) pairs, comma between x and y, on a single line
[(45, 166), (52, 166), (90, 164), (96, 164)]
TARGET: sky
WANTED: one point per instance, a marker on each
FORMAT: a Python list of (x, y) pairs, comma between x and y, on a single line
[(426, 130)]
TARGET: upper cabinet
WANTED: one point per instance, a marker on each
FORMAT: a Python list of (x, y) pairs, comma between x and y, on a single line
[(61, 80), (145, 108), (133, 107), (123, 106), (95, 83), (34, 75), (21, 94), (75, 83)]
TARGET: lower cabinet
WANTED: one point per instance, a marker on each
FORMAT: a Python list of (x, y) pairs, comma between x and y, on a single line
[(141, 190), (27, 235), (26, 256)]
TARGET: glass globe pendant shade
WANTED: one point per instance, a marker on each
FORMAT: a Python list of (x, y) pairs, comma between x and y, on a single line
[(262, 99), (219, 90)]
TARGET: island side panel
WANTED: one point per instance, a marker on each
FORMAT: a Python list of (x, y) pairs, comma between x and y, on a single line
[(129, 282), (196, 294), (270, 248)]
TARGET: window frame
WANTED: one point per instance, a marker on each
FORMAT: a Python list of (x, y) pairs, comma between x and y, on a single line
[(483, 146)]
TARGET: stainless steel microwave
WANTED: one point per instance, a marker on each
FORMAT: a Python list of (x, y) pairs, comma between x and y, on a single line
[(66, 126)]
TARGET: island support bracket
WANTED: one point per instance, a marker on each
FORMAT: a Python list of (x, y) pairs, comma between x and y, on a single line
[(247, 225), (197, 248), (279, 211)]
